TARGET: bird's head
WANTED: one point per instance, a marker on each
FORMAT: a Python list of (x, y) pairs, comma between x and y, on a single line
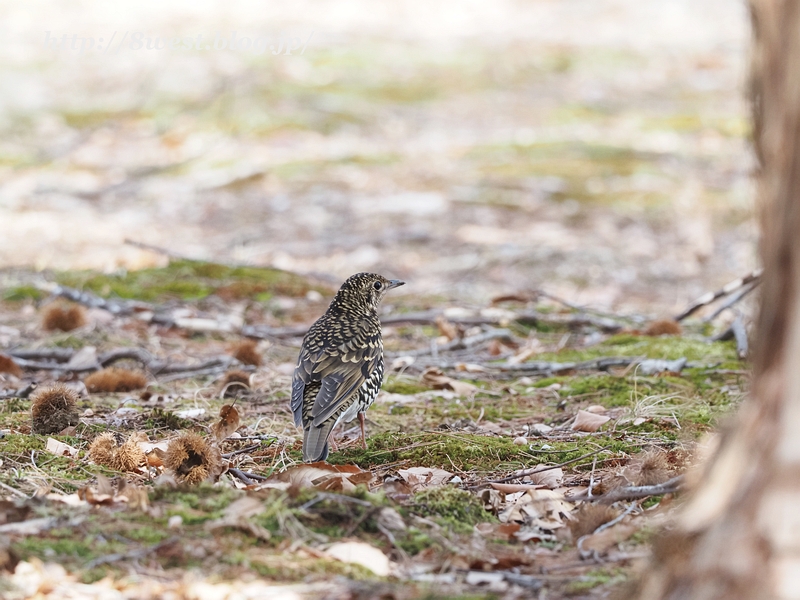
[(364, 290)]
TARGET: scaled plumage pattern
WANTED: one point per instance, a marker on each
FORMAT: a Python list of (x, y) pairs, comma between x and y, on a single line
[(340, 368)]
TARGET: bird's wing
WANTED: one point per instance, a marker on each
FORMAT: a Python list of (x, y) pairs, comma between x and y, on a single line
[(342, 370), (303, 378)]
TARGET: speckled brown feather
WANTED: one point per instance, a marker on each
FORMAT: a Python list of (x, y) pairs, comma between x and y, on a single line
[(340, 363)]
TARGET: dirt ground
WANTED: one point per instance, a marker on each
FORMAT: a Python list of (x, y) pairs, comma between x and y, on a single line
[(547, 176), (593, 149)]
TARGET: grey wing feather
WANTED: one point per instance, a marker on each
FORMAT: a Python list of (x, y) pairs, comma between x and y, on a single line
[(342, 378), (300, 380)]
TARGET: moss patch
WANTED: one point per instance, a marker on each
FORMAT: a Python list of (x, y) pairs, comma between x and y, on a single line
[(187, 280), (456, 507)]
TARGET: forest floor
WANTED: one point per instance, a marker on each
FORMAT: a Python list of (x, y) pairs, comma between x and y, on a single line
[(550, 178), (443, 502)]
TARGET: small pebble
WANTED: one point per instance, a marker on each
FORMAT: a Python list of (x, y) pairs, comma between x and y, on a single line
[(175, 521), (521, 441), (88, 412)]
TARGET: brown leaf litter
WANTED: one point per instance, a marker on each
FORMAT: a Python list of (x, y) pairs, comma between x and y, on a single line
[(227, 424)]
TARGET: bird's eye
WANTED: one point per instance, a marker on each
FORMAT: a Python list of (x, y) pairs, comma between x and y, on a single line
[(377, 285)]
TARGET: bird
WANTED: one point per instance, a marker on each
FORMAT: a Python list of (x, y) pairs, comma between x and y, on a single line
[(340, 368)]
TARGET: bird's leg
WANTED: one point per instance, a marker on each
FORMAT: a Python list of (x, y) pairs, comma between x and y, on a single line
[(361, 420)]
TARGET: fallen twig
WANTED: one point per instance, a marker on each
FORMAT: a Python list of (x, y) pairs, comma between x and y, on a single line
[(57, 354), (731, 301), (156, 249), (736, 331), (242, 476), (242, 451), (710, 297), (154, 365), (463, 343), (572, 321), (633, 492), (740, 334), (116, 307), (533, 471)]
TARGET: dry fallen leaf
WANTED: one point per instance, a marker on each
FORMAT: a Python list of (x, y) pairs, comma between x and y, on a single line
[(228, 422), (589, 422), (550, 478), (362, 554), (447, 328), (434, 378), (59, 448), (322, 476), (545, 509), (602, 541), (419, 478)]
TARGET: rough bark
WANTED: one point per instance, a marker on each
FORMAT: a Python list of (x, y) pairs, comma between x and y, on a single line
[(738, 536)]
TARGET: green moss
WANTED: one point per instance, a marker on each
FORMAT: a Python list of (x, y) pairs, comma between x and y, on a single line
[(19, 444), (444, 450), (664, 347), (72, 547), (458, 508), (607, 390), (23, 292), (542, 383), (69, 341), (414, 541), (402, 385), (595, 578), (148, 535), (196, 504), (189, 280)]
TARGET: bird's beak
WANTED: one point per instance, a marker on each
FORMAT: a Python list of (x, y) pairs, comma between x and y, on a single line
[(393, 283)]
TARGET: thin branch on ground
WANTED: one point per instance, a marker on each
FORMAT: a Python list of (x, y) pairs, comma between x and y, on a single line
[(730, 302), (634, 492), (710, 297), (528, 472)]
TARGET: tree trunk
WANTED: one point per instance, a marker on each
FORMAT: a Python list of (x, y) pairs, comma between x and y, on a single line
[(738, 535)]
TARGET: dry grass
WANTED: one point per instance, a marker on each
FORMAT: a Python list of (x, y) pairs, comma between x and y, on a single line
[(53, 409), (63, 317), (114, 379), (246, 352)]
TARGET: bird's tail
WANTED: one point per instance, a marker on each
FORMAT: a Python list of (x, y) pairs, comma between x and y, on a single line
[(315, 442)]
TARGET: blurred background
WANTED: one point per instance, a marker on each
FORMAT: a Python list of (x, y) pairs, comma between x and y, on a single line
[(594, 149)]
